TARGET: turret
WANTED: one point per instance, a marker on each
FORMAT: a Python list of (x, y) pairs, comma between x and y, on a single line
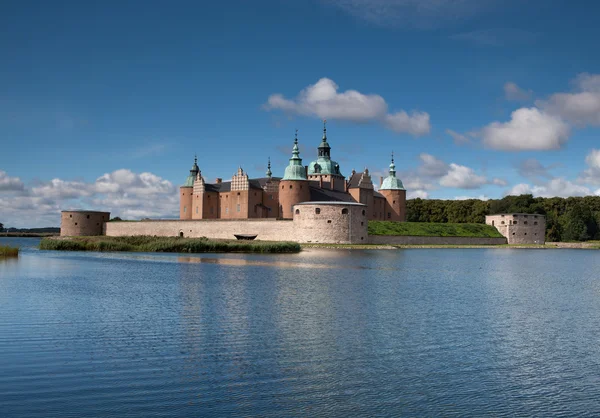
[(395, 195), (186, 192), (293, 188)]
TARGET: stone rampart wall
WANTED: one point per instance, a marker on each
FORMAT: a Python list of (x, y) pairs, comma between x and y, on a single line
[(413, 240), (266, 229), (326, 222)]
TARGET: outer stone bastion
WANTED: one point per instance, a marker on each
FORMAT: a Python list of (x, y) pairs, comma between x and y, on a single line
[(82, 222)]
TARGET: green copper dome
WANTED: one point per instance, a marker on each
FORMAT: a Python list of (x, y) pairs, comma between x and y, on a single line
[(391, 182), (295, 170), (189, 181), (324, 164)]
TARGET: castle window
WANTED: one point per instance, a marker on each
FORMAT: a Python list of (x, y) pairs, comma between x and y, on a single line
[(502, 222), (535, 217), (181, 234), (328, 221), (254, 193), (525, 222), (98, 224), (513, 233), (394, 202), (300, 186), (70, 216), (88, 216), (184, 209), (364, 213), (515, 222), (492, 223), (290, 186), (525, 233), (75, 223), (362, 238), (238, 193), (271, 197), (209, 196), (389, 215), (362, 224), (282, 187), (238, 207), (297, 211), (535, 223), (344, 211), (318, 211), (525, 216)]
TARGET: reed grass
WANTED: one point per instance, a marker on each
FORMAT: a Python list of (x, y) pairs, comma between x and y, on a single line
[(6, 251), (166, 244)]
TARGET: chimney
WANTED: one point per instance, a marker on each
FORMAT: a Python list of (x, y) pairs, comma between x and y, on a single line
[(380, 180), (306, 171), (219, 180)]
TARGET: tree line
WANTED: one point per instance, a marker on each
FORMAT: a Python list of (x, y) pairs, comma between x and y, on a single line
[(567, 219)]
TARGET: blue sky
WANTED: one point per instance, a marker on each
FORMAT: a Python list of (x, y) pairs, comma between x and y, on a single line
[(103, 104)]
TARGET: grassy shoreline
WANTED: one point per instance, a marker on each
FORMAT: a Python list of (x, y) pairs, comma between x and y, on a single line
[(166, 244), (425, 229), (7, 251)]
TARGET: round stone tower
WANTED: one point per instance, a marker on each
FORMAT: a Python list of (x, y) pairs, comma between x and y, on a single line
[(395, 196), (293, 187), (186, 193), (75, 223)]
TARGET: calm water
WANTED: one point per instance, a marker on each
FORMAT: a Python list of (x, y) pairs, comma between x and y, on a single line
[(338, 333)]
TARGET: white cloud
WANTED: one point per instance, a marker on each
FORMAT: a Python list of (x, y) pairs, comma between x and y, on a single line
[(323, 100), (420, 14), (528, 129), (414, 194), (462, 177), (124, 193), (515, 93), (432, 166), (480, 197), (499, 182), (533, 169), (8, 183), (459, 139), (557, 187), (581, 107), (592, 174)]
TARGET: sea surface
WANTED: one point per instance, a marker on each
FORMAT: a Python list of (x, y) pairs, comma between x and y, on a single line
[(415, 332)]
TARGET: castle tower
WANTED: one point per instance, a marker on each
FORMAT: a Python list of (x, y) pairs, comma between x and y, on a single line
[(270, 195), (395, 195), (324, 169), (186, 193), (293, 187)]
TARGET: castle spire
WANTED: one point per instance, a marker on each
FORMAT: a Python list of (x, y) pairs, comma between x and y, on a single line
[(324, 130), (269, 174), (392, 167), (295, 170)]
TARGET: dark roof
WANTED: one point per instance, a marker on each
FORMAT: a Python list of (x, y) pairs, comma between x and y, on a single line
[(377, 194), (226, 185), (325, 195), (354, 180)]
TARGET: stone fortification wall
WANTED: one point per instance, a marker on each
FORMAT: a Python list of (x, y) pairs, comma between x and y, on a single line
[(266, 229), (520, 228), (82, 222), (331, 222), (413, 240), (336, 222)]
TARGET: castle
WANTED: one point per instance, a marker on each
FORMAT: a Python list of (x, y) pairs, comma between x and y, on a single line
[(276, 197)]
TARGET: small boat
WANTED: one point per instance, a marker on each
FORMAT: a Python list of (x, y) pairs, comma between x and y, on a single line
[(248, 237)]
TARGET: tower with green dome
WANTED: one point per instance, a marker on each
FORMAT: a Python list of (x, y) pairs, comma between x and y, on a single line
[(186, 192), (395, 195), (324, 169), (293, 187)]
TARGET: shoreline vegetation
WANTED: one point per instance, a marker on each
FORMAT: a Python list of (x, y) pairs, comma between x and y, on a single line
[(426, 229), (166, 245), (7, 251)]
